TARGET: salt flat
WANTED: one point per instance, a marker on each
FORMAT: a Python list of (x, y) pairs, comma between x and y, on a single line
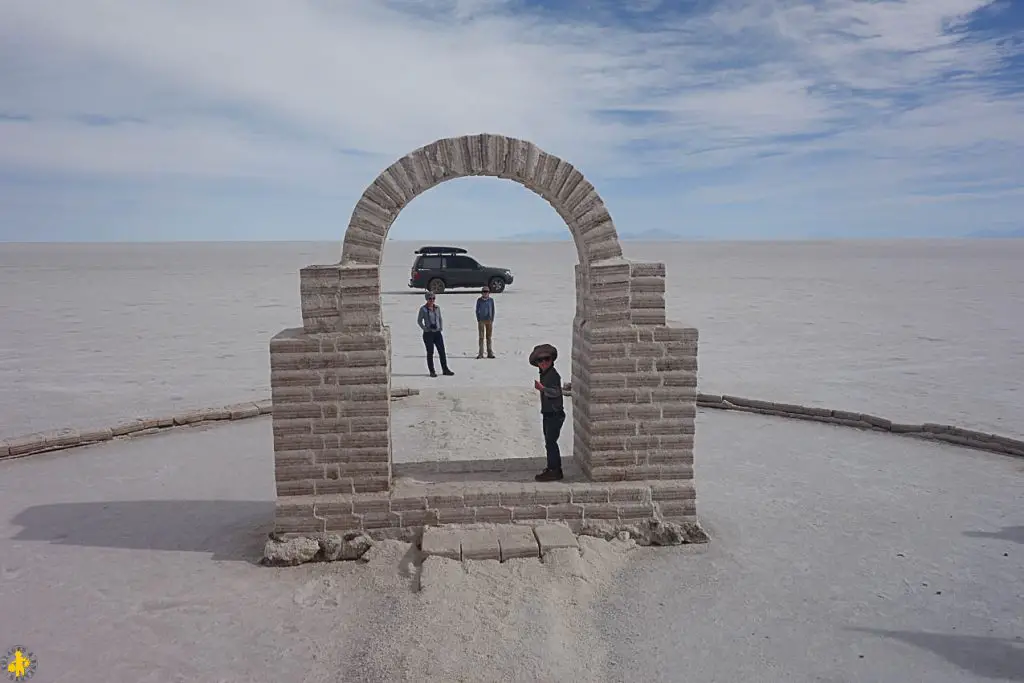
[(913, 330), (837, 555)]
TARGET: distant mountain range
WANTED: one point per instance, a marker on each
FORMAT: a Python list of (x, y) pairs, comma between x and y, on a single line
[(653, 235), (998, 234)]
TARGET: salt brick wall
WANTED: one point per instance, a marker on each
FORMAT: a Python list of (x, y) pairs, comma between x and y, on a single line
[(320, 295), (332, 412), (634, 398), (340, 297), (634, 408), (401, 516), (634, 378)]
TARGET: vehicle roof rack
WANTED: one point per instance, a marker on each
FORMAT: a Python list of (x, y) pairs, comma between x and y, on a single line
[(440, 250)]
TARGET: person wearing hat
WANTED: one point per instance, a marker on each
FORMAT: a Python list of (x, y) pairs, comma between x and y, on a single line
[(430, 321), (484, 322), (552, 409)]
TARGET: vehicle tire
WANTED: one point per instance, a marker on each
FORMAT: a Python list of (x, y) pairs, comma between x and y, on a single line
[(496, 285), (436, 285)]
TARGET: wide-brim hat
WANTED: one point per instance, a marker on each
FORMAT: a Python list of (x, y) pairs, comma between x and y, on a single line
[(542, 350)]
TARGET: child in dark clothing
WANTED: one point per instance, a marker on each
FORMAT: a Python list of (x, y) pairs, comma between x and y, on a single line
[(552, 408)]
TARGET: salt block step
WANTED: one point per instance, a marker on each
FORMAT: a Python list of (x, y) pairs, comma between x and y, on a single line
[(552, 536), (503, 542), (517, 542), (480, 544), (442, 543)]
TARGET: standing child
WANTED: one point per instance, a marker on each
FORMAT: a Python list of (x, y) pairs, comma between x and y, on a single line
[(484, 322), (552, 409)]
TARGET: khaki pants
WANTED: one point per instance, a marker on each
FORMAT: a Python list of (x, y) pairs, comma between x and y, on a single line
[(483, 328)]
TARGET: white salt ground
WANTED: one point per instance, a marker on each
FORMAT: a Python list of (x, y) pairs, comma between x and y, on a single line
[(836, 555), (912, 330), (471, 424)]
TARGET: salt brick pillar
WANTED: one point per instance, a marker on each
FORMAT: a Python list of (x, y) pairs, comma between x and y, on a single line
[(330, 387), (634, 395)]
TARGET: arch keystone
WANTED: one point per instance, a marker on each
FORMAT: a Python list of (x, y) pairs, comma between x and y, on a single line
[(503, 152), (457, 154), (519, 153)]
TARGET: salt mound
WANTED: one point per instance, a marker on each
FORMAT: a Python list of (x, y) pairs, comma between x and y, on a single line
[(482, 621)]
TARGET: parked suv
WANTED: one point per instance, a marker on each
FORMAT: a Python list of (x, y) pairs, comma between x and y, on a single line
[(439, 268)]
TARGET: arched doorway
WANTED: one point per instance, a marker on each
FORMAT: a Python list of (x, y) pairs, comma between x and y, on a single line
[(633, 375)]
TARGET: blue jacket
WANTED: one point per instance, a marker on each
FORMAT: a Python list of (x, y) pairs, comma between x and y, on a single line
[(484, 309)]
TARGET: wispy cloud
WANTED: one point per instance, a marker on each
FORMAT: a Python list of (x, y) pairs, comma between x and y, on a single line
[(759, 110)]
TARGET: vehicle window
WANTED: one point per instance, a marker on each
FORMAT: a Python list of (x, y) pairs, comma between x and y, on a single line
[(429, 262), (460, 262)]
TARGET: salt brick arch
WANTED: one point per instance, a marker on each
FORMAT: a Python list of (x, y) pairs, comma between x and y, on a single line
[(557, 181), (634, 374)]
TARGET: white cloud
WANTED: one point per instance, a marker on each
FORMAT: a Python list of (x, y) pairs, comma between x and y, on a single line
[(185, 148), (272, 89), (363, 76)]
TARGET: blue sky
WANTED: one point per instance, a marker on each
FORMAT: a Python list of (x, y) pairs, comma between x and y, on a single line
[(730, 119)]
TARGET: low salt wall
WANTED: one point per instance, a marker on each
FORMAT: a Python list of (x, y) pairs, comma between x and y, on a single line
[(62, 439), (929, 430)]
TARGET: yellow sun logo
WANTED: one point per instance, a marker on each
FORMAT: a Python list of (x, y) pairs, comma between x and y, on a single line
[(19, 664)]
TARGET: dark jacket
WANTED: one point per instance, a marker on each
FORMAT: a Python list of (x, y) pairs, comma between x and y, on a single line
[(484, 309), (551, 396)]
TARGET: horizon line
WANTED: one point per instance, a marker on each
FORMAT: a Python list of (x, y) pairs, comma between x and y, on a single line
[(507, 240)]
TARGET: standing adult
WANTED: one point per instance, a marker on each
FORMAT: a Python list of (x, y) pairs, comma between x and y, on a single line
[(430, 321), (484, 322)]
